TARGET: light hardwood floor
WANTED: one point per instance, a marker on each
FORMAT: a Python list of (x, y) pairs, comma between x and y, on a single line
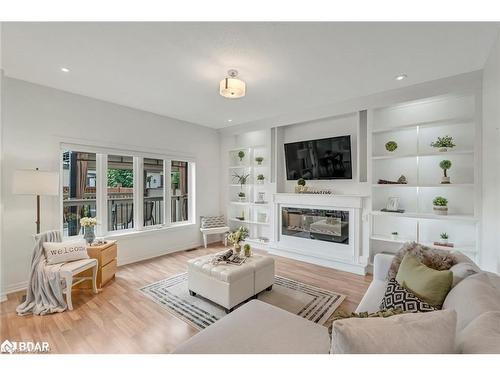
[(120, 319)]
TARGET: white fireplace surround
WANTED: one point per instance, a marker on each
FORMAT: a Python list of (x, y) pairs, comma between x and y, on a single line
[(346, 257)]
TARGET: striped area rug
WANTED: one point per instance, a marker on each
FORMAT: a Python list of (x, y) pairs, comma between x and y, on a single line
[(301, 299)]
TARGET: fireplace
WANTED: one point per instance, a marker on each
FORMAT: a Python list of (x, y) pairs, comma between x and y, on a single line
[(316, 224)]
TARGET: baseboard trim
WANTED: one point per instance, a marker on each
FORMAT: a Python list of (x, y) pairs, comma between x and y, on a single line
[(13, 288)]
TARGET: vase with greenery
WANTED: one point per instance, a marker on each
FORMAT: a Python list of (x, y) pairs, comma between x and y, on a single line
[(445, 165), (260, 178), (240, 179), (241, 196), (444, 237), (88, 224), (440, 206), (235, 237), (241, 155), (259, 160), (443, 143), (248, 250), (391, 146)]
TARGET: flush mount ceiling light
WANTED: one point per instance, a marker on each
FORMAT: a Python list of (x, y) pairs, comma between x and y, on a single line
[(232, 87), (400, 77), (65, 70)]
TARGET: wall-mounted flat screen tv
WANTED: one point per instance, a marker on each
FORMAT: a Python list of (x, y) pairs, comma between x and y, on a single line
[(319, 159)]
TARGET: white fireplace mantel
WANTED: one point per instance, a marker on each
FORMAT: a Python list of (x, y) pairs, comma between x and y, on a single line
[(347, 257)]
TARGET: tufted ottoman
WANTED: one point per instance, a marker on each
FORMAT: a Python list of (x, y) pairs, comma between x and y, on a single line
[(227, 284)]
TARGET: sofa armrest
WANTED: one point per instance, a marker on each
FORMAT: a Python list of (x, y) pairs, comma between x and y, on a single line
[(381, 265)]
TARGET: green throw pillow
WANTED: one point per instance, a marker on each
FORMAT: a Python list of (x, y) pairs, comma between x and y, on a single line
[(428, 284)]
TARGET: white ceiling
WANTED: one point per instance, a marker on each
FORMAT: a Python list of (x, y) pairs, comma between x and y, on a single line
[(174, 69)]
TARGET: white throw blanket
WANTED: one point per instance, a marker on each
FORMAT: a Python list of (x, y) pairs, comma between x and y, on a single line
[(44, 294)]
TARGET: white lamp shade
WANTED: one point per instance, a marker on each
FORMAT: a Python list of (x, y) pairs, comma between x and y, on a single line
[(232, 88), (34, 182)]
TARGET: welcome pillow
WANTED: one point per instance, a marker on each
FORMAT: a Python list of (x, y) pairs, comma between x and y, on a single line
[(62, 252)]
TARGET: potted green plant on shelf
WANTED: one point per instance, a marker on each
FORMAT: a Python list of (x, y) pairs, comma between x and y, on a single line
[(248, 250), (236, 236), (241, 196), (301, 186), (440, 206), (240, 178), (241, 155), (260, 178), (444, 237), (391, 146), (445, 165), (394, 235), (443, 143), (259, 160)]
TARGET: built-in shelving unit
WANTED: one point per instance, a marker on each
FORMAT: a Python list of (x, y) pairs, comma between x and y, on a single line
[(414, 126), (248, 211)]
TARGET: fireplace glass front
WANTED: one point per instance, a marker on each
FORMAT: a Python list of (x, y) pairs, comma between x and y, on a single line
[(323, 225)]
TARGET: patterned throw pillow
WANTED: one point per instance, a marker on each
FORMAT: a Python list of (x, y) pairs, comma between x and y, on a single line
[(212, 222), (398, 297)]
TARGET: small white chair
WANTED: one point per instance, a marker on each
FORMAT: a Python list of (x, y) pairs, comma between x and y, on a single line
[(70, 269), (213, 225)]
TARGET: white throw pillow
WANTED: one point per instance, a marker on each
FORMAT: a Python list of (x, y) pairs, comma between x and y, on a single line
[(481, 336), (61, 252), (472, 297), (411, 333)]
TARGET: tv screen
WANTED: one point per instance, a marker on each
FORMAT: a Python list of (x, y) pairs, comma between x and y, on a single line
[(320, 159)]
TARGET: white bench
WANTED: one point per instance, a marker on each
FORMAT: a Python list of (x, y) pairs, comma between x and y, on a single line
[(213, 225)]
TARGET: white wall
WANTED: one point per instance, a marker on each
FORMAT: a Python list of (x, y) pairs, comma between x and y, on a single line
[(490, 256), (38, 118)]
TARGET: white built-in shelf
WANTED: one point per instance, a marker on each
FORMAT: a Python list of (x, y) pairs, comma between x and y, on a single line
[(390, 239), (418, 215), (466, 248), (239, 185), (239, 167), (248, 221), (440, 122), (438, 153), (263, 205), (422, 186)]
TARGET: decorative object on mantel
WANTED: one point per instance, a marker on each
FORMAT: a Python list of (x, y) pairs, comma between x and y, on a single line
[(301, 186), (392, 204), (259, 160), (88, 224), (401, 181), (235, 237), (242, 196), (443, 143), (440, 206), (241, 178), (318, 191), (248, 250), (394, 235), (391, 146), (260, 179), (445, 165), (241, 155)]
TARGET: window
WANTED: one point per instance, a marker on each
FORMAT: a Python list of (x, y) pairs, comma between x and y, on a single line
[(79, 189), (120, 191), (179, 191), (124, 192), (153, 208)]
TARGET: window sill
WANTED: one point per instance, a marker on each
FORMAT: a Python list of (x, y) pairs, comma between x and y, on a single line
[(148, 231)]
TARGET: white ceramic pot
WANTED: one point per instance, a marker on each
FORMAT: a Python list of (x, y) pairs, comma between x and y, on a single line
[(441, 210), (445, 180)]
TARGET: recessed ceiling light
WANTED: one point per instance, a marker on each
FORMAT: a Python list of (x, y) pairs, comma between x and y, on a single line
[(229, 120), (65, 70), (400, 77)]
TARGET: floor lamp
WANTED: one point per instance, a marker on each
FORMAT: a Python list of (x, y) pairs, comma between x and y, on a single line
[(35, 182)]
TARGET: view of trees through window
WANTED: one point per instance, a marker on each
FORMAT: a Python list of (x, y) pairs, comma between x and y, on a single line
[(120, 192)]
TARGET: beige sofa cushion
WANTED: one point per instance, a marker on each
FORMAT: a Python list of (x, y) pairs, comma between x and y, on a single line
[(411, 333), (481, 336), (472, 297)]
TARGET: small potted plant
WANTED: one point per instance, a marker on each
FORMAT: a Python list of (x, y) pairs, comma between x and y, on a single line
[(241, 196), (445, 165), (440, 206), (248, 250), (394, 235), (444, 237), (235, 237), (240, 178), (241, 155), (301, 186), (259, 160), (391, 146), (443, 143), (260, 179)]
